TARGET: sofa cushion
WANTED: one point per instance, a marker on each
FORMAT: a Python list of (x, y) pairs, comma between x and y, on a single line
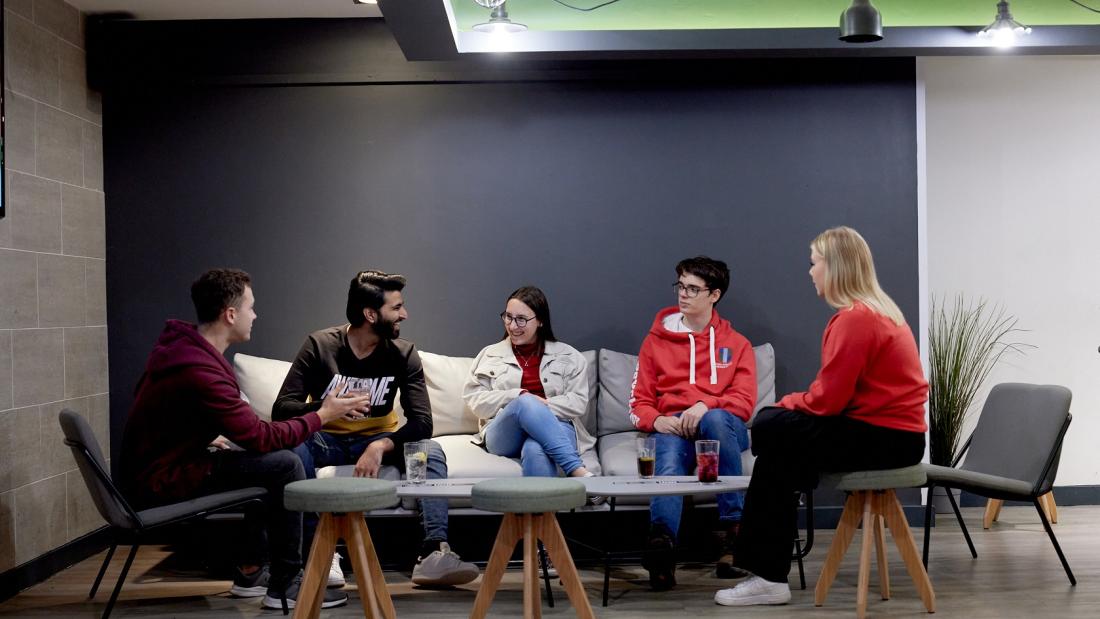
[(260, 380), (445, 377), (616, 377)]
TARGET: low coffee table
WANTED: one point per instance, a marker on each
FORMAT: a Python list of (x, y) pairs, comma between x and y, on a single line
[(628, 486)]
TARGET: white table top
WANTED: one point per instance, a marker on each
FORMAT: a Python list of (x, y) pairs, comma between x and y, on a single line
[(618, 486)]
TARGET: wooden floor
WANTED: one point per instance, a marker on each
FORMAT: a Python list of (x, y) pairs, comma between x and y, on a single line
[(1016, 575)]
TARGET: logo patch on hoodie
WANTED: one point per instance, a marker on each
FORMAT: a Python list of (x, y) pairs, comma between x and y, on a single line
[(725, 357)]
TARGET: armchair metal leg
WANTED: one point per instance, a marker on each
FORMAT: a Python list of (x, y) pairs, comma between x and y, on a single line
[(1054, 540), (927, 525), (544, 563), (102, 570), (121, 579), (962, 525)]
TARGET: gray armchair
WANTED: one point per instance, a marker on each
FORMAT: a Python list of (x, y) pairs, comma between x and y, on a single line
[(126, 523), (1012, 454)]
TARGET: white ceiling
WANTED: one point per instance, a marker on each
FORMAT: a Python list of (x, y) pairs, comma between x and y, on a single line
[(229, 9)]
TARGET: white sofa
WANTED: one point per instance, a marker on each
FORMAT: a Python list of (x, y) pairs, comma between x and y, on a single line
[(609, 379)]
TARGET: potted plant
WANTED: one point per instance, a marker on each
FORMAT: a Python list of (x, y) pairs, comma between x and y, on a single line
[(965, 342)]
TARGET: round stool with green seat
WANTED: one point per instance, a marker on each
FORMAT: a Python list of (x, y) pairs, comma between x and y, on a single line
[(340, 502), (528, 505), (871, 499)]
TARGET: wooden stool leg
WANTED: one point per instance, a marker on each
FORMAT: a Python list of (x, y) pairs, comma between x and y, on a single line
[(992, 510), (864, 582), (510, 531), (552, 537), (903, 539), (373, 593), (312, 590), (532, 601), (880, 548), (845, 531)]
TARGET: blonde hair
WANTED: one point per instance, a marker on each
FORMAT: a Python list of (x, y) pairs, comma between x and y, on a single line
[(850, 273)]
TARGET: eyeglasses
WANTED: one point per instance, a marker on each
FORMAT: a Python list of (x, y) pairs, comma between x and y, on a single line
[(521, 321), (688, 291)]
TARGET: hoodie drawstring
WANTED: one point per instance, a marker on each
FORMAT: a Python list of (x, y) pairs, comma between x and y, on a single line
[(713, 364), (691, 341)]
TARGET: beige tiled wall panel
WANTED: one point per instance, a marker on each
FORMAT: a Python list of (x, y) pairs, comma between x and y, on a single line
[(53, 316)]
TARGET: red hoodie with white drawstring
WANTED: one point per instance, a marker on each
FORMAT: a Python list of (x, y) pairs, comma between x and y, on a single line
[(676, 369)]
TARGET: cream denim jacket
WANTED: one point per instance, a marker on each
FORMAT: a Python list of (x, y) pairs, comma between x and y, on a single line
[(495, 377)]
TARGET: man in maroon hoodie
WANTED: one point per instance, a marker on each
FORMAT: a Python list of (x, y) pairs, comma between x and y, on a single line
[(696, 379), (186, 398)]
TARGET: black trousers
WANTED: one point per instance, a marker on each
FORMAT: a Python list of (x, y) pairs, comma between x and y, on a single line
[(272, 471), (792, 449)]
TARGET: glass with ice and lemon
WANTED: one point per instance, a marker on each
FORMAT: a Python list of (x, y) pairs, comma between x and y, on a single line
[(416, 461)]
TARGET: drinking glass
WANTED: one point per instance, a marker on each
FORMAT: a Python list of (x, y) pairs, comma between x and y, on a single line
[(706, 460), (416, 461), (647, 456)]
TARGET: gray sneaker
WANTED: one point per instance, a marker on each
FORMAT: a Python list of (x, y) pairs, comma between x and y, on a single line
[(443, 568), (286, 598)]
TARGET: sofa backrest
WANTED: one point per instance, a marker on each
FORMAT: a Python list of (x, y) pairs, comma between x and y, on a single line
[(616, 377), (260, 379)]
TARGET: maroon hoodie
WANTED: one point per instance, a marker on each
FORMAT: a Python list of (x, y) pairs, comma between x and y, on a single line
[(187, 396)]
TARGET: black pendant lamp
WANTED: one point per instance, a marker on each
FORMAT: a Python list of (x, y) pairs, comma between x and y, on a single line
[(860, 23)]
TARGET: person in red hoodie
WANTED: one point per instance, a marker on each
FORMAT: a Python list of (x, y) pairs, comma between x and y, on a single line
[(187, 397), (865, 410), (696, 379)]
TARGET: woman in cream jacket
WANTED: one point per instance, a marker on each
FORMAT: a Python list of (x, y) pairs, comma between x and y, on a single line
[(530, 390)]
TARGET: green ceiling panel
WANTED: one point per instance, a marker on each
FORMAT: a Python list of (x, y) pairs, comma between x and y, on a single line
[(548, 15)]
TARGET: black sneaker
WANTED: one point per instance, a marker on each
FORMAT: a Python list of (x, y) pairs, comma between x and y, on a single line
[(660, 560), (287, 598), (251, 585)]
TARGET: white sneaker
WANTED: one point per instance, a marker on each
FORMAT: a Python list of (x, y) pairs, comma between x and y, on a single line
[(335, 574), (752, 591), (443, 568)]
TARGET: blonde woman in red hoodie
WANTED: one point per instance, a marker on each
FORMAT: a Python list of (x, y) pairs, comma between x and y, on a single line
[(865, 410), (696, 379)]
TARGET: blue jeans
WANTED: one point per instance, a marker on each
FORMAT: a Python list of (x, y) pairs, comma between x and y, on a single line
[(526, 428), (676, 456), (324, 449)]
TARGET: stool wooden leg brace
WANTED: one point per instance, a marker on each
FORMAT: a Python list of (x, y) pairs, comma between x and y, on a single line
[(873, 507), (531, 528), (368, 573)]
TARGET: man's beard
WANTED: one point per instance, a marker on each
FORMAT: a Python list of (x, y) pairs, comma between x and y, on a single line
[(387, 329)]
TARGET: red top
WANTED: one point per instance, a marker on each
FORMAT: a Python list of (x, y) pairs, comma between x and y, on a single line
[(676, 369), (529, 358), (870, 371)]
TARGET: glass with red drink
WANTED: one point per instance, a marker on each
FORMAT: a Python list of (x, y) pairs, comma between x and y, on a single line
[(706, 460)]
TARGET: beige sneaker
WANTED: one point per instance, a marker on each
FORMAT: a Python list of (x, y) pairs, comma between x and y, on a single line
[(335, 573)]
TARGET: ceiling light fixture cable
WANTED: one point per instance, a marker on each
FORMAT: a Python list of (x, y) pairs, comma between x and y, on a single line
[(583, 10), (1085, 6)]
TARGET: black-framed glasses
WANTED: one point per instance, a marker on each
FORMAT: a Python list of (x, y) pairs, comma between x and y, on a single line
[(688, 291), (520, 321)]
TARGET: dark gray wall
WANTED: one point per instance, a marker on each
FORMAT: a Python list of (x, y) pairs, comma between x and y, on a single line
[(590, 187)]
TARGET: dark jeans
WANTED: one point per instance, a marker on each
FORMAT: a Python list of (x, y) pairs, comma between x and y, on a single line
[(792, 449), (272, 471), (324, 449)]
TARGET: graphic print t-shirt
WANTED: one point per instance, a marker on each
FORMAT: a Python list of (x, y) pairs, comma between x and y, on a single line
[(326, 363)]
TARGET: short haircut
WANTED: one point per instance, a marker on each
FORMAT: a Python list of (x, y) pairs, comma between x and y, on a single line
[(368, 289), (216, 290), (714, 272)]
